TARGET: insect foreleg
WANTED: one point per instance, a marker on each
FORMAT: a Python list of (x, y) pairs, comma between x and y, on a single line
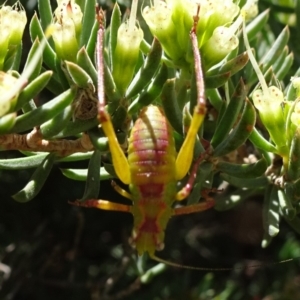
[(185, 154), (118, 157), (103, 204), (185, 191)]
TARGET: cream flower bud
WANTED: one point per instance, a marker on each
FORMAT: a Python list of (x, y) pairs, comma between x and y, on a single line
[(295, 116), (296, 84), (69, 9), (127, 51), (250, 9), (13, 18), (12, 24), (269, 104), (7, 82), (212, 15), (159, 19), (67, 29), (222, 42), (270, 100)]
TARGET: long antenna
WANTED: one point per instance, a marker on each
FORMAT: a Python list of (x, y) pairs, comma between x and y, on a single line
[(254, 266)]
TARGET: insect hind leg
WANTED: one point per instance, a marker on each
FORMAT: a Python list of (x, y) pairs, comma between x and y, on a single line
[(102, 204)]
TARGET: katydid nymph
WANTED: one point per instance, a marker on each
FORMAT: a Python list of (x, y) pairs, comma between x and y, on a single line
[(152, 168)]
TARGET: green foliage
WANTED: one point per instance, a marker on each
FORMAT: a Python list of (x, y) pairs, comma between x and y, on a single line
[(48, 119)]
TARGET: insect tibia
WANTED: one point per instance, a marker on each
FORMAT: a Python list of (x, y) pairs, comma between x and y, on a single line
[(254, 266)]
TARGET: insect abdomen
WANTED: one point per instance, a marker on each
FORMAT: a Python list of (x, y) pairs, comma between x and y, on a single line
[(151, 152), (151, 156)]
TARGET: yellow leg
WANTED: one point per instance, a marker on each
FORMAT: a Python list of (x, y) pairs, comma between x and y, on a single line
[(119, 159), (121, 191), (184, 210), (103, 204), (185, 155), (185, 191)]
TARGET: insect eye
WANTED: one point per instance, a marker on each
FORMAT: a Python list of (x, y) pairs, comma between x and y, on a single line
[(132, 242), (160, 246)]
